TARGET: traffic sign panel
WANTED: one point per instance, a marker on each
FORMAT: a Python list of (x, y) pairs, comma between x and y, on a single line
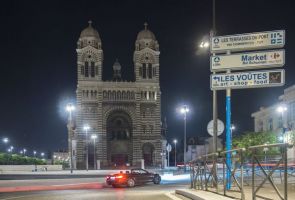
[(248, 41), (250, 60), (251, 79)]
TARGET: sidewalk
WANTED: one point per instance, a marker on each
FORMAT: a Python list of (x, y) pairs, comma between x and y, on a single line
[(267, 192)]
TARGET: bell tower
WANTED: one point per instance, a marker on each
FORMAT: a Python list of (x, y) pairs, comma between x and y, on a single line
[(89, 55), (146, 56)]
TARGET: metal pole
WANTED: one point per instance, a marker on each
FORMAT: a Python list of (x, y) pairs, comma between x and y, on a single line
[(94, 156), (285, 154), (175, 155), (228, 135), (86, 141), (168, 157), (184, 140), (70, 143)]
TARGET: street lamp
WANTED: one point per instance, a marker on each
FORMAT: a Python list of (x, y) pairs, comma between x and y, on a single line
[(70, 107), (34, 152), (42, 154), (5, 140), (24, 150), (281, 109), (86, 128), (184, 110), (175, 141), (94, 137)]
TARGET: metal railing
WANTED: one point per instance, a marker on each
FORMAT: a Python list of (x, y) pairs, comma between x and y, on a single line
[(208, 172)]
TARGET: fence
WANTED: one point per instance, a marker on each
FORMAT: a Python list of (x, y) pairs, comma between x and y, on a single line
[(250, 167)]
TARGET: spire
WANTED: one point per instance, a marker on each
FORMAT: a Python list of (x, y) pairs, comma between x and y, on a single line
[(145, 25), (117, 71), (90, 23)]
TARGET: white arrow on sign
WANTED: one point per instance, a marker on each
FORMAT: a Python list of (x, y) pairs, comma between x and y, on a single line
[(251, 60), (248, 41), (251, 79)]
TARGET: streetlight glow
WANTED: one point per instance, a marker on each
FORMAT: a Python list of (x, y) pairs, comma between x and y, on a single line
[(175, 141), (93, 136), (281, 109), (204, 44), (42, 154), (86, 127), (5, 140), (70, 107)]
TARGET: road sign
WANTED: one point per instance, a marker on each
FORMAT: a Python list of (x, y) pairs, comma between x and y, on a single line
[(220, 127), (248, 41), (250, 60), (251, 79), (169, 148)]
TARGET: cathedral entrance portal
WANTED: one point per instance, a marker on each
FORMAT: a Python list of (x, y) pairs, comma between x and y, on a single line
[(119, 135)]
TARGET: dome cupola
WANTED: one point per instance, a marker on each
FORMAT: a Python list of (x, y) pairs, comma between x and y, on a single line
[(146, 39)]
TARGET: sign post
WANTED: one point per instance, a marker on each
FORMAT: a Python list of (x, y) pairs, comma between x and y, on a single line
[(241, 61)]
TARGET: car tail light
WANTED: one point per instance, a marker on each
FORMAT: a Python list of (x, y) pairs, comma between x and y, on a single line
[(108, 177), (120, 176)]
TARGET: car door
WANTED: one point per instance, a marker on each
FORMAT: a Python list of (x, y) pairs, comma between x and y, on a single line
[(145, 176)]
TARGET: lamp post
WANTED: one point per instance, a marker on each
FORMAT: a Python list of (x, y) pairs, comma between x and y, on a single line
[(34, 152), (184, 110), (94, 137), (281, 109), (70, 108), (24, 151), (175, 141), (86, 128), (11, 149)]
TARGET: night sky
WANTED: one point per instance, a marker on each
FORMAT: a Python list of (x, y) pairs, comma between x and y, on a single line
[(38, 60)]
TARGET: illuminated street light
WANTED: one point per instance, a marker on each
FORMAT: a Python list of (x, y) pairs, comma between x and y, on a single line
[(5, 140), (175, 142), (86, 128), (34, 152), (42, 154), (94, 137), (70, 107), (184, 110), (24, 150), (204, 44), (281, 109)]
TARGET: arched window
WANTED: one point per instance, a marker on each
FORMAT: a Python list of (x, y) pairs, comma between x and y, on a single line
[(144, 70), (150, 76), (92, 70), (86, 69)]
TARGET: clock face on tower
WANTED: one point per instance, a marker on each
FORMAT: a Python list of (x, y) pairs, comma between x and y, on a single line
[(220, 127)]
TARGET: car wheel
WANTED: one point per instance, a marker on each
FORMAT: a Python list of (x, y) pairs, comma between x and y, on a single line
[(130, 182), (157, 179)]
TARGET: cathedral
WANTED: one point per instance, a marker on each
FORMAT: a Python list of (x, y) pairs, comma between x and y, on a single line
[(123, 116)]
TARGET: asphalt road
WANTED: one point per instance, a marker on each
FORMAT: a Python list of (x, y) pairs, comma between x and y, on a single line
[(84, 190)]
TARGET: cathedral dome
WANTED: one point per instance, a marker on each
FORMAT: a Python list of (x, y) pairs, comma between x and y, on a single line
[(146, 34), (89, 32)]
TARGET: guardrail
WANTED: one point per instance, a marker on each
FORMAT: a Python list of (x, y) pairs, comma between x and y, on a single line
[(208, 172)]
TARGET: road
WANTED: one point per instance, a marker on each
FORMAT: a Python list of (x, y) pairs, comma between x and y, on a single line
[(87, 188)]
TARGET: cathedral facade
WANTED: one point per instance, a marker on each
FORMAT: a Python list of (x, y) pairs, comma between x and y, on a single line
[(125, 116)]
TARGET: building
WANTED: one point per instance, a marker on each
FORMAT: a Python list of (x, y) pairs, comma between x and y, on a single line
[(125, 116), (60, 156), (280, 121)]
